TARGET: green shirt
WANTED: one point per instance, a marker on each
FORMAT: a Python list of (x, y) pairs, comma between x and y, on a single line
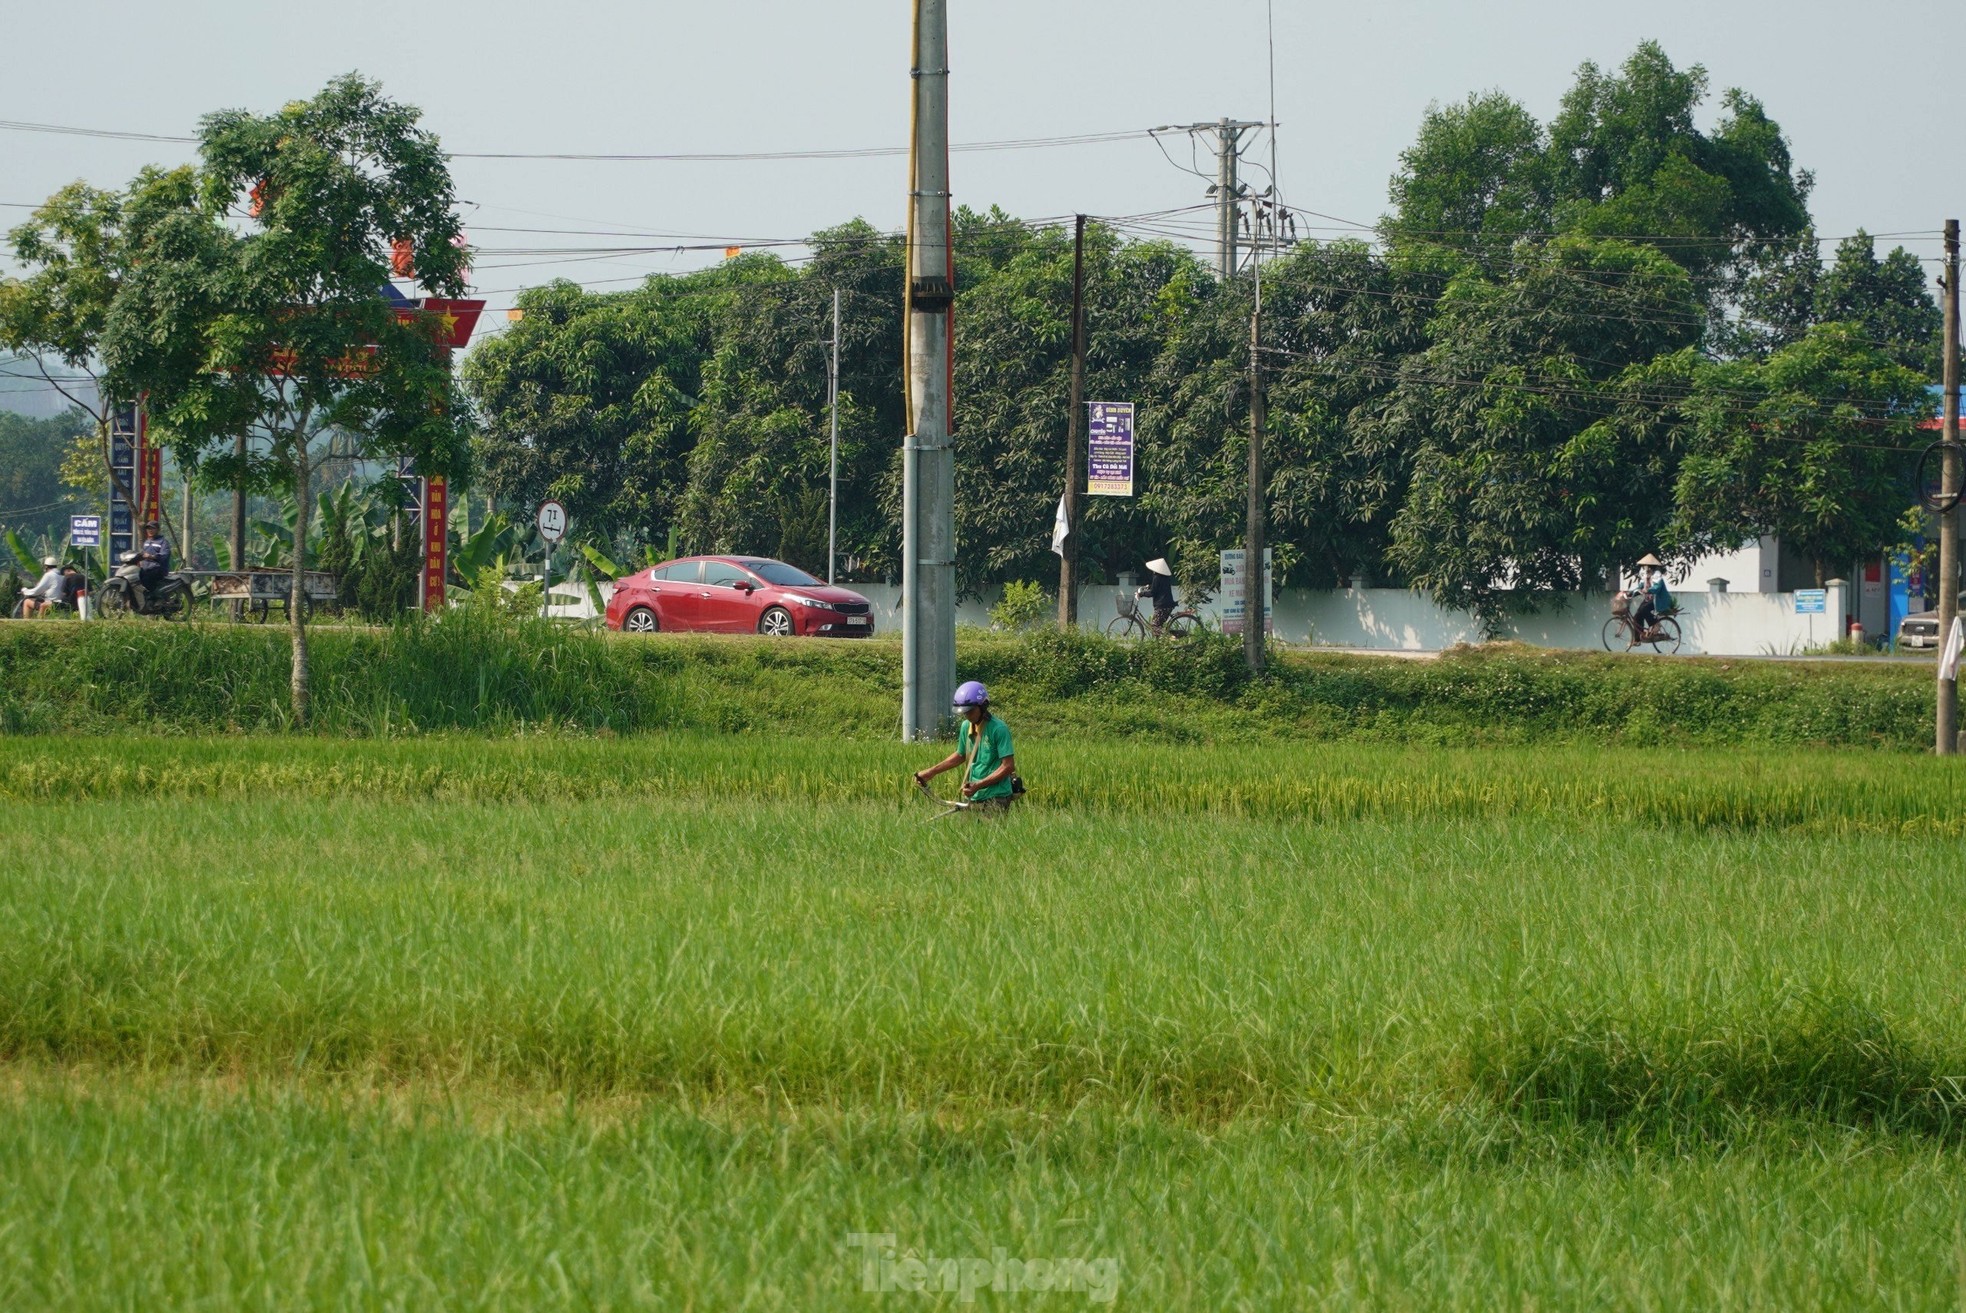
[(992, 748)]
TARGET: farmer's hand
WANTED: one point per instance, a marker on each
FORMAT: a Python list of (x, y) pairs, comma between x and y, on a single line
[(920, 779), (969, 787)]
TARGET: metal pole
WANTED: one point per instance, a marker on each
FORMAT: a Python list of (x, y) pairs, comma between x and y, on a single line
[(1068, 561), (833, 476), (1228, 136), (928, 649), (1948, 699)]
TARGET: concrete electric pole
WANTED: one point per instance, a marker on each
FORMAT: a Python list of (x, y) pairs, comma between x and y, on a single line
[(1948, 700), (928, 514), (1228, 192), (1068, 559)]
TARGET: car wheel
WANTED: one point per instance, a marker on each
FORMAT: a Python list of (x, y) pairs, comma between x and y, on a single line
[(776, 622), (640, 620)]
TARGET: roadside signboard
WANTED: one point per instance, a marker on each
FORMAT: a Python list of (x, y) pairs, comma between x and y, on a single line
[(85, 531), (1109, 448), (1811, 601), (552, 521), (1234, 595)]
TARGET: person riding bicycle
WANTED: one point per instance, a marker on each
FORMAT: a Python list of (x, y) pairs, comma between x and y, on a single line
[(1160, 587), (41, 599), (990, 783), (1654, 599)]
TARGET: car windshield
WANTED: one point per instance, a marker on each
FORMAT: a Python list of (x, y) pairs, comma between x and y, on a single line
[(781, 574)]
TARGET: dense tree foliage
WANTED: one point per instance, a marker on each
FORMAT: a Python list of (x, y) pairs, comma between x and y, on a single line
[(34, 498), (1573, 343)]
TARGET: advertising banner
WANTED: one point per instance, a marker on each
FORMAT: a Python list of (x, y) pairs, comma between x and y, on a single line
[(1233, 595), (1109, 448)]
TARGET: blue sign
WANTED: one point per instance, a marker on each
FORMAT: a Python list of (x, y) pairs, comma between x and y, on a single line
[(1811, 601), (1109, 448), (85, 530)]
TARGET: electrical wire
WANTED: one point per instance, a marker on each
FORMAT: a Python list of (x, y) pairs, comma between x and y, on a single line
[(676, 157)]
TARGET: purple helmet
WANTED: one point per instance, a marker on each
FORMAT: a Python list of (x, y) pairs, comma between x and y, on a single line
[(972, 694)]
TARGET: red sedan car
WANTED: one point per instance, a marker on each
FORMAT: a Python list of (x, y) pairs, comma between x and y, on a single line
[(736, 595)]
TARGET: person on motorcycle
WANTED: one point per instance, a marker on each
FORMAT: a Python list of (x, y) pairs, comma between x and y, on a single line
[(990, 782), (153, 559), (1654, 599), (1160, 587), (73, 584), (41, 599)]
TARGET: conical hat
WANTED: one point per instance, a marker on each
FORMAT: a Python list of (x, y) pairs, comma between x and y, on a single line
[(1159, 565), (1649, 559)]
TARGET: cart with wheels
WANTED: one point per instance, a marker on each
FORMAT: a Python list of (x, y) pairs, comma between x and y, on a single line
[(257, 592)]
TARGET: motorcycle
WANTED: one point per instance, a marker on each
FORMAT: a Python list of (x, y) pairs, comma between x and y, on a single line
[(124, 593)]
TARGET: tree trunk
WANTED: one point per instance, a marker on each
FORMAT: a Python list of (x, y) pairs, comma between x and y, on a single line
[(297, 598)]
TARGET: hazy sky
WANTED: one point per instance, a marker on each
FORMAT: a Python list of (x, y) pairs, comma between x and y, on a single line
[(1859, 89)]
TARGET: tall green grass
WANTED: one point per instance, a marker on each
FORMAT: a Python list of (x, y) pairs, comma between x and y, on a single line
[(260, 1200), (719, 941), (476, 671), (1749, 789), (562, 1021)]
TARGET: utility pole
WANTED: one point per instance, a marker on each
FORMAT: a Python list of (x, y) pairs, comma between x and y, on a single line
[(928, 533), (833, 475), (184, 518), (1948, 700), (239, 518), (1068, 560), (1256, 580), (1226, 187)]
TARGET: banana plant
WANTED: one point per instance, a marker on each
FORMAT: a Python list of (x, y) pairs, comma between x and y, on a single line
[(488, 548)]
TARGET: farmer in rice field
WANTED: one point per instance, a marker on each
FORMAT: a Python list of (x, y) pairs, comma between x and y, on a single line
[(990, 782)]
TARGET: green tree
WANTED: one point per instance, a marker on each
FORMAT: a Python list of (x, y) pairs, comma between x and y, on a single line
[(587, 399), (1533, 467), (79, 253), (279, 329), (1813, 444), (1477, 180), (1630, 161), (1337, 322), (33, 494), (759, 469), (1890, 300), (1013, 395)]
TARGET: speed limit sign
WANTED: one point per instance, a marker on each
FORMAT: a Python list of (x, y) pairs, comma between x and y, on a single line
[(552, 520)]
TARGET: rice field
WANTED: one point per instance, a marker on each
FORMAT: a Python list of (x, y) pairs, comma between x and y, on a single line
[(697, 1021)]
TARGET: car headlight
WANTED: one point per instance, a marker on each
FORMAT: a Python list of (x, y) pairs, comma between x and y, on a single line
[(797, 600)]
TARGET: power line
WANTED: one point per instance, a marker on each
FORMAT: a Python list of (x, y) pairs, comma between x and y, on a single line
[(676, 157)]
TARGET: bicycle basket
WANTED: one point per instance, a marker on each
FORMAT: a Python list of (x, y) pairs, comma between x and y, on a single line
[(1621, 605), (1126, 604)]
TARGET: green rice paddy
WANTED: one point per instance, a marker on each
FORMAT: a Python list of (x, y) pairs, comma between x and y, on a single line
[(669, 1021)]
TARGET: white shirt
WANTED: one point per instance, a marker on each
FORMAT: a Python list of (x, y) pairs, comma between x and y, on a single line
[(49, 588)]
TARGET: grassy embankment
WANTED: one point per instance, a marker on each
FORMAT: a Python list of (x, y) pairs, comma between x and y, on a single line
[(472, 673), (570, 1022)]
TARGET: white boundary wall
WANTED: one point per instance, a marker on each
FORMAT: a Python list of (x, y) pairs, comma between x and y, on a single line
[(1401, 620)]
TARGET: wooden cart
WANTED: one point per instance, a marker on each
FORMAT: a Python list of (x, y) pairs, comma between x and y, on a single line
[(259, 591)]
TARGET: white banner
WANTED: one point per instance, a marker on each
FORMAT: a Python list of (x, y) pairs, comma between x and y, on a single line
[(1234, 596)]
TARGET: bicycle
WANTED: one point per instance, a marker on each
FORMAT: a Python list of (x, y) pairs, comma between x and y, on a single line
[(1662, 637), (1184, 623)]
